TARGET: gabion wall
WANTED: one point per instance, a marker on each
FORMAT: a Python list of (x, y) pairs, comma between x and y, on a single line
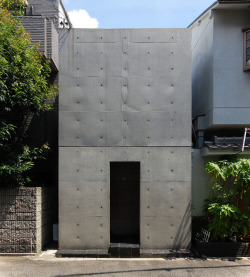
[(26, 219)]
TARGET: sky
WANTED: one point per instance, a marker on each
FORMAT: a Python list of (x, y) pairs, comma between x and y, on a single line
[(110, 14)]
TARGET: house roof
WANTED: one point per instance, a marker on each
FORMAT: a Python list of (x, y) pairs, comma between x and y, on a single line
[(225, 4), (233, 1), (227, 142), (225, 146)]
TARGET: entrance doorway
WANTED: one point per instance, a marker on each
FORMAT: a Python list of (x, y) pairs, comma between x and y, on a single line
[(125, 202)]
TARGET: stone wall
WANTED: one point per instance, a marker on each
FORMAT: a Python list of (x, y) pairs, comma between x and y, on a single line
[(26, 219)]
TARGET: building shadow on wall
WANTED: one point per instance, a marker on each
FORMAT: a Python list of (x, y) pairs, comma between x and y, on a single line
[(183, 236)]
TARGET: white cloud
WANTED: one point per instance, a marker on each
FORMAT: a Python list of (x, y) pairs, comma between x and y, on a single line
[(81, 19)]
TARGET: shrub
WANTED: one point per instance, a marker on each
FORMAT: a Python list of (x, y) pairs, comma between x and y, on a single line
[(230, 185)]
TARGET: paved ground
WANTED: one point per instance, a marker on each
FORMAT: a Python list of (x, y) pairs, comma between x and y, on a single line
[(47, 265)]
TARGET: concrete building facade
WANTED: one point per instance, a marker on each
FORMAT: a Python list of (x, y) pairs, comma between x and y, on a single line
[(125, 138)]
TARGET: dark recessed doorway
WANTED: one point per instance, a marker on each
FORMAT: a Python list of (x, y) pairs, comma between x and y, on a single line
[(124, 202)]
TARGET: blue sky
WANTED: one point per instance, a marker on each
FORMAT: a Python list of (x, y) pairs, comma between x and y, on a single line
[(135, 13)]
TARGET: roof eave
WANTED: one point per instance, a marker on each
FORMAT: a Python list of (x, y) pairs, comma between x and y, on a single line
[(222, 4), (216, 3)]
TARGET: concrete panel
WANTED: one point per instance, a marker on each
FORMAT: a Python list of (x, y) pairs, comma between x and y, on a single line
[(156, 35), (98, 55), (164, 164), (156, 128), (90, 94), (98, 59), (135, 90), (77, 129), (86, 191), (158, 94), (97, 35), (164, 198), (163, 232), (161, 195), (124, 129), (84, 233), (144, 59), (145, 94)]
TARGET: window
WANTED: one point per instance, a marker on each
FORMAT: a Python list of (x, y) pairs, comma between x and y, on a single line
[(247, 49)]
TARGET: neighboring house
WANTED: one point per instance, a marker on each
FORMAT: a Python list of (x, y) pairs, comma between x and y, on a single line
[(42, 20), (53, 10), (221, 87)]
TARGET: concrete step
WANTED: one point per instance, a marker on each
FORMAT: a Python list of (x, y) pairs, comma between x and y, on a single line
[(92, 253), (124, 250), (164, 253)]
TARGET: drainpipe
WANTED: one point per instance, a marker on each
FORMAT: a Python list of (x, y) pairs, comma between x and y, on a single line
[(200, 139)]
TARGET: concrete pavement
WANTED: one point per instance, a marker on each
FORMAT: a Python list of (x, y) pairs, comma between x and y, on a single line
[(47, 265)]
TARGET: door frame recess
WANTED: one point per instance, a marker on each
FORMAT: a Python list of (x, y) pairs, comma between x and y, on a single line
[(137, 189)]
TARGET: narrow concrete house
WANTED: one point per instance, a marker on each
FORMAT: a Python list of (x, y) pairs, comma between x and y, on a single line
[(221, 86), (124, 140), (124, 134)]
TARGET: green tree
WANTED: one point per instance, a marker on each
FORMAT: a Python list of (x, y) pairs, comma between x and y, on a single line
[(16, 7), (24, 92)]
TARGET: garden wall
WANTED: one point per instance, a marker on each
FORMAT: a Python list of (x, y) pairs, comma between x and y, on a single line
[(26, 219)]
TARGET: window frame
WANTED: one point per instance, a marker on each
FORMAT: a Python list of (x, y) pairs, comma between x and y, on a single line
[(245, 32)]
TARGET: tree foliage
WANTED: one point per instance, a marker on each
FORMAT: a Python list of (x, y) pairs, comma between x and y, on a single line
[(17, 7), (24, 91), (236, 171)]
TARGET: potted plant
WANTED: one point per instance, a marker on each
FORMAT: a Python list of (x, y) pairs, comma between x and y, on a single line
[(226, 213)]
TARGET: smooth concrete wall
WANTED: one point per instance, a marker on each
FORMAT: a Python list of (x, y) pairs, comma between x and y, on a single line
[(231, 83), (125, 95), (202, 65), (132, 85), (165, 194)]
